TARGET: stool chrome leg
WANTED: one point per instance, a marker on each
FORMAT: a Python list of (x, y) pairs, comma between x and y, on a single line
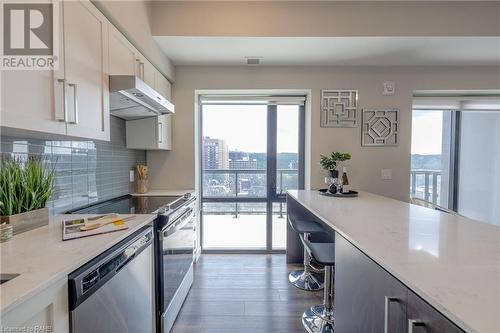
[(306, 279), (319, 318)]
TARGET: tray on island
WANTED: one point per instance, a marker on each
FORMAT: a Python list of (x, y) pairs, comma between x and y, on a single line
[(350, 194)]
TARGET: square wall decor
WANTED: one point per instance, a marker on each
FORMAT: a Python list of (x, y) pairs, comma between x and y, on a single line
[(380, 127), (339, 108)]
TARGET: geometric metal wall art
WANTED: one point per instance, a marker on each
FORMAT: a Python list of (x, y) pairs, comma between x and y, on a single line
[(339, 108), (380, 127)]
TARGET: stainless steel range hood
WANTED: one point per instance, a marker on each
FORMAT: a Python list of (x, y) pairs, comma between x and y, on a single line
[(131, 98)]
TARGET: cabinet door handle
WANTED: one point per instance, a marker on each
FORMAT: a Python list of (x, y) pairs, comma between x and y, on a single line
[(65, 108), (160, 132), (137, 70), (75, 103), (412, 323), (387, 303), (141, 67)]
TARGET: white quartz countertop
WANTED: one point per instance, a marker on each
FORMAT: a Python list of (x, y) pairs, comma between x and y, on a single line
[(162, 193), (41, 257), (452, 262)]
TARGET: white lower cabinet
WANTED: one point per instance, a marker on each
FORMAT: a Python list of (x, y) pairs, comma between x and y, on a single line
[(47, 310), (153, 133)]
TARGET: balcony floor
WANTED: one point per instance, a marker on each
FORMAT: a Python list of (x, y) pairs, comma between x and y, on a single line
[(247, 232)]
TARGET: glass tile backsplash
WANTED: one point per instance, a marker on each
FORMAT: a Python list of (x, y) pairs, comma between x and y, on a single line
[(87, 171)]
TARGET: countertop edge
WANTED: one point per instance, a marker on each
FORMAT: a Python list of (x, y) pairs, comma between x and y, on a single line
[(429, 299), (64, 273)]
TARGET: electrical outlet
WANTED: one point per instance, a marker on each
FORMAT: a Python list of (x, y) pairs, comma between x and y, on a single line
[(131, 176), (386, 174)]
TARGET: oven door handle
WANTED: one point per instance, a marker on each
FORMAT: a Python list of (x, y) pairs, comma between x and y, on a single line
[(179, 224)]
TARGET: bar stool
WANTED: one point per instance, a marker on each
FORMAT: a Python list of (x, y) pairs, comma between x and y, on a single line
[(309, 278), (319, 318)]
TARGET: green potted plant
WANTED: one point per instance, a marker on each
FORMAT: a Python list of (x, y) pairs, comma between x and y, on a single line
[(330, 163), (25, 187)]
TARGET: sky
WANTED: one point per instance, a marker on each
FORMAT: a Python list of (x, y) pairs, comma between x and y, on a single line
[(426, 133), (244, 127)]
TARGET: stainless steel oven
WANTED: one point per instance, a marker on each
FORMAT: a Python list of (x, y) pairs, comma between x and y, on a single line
[(174, 256)]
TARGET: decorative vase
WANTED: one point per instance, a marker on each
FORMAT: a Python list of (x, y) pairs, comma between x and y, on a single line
[(334, 177), (333, 174), (28, 220)]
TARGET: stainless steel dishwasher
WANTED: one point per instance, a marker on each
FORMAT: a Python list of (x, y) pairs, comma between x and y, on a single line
[(114, 291)]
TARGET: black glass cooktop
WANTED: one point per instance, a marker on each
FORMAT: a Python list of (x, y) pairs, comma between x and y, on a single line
[(128, 205)]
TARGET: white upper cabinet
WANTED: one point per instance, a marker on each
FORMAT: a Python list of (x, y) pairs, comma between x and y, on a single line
[(125, 59), (28, 100), (147, 71), (122, 54), (154, 133), (164, 132), (162, 85), (74, 99), (86, 70)]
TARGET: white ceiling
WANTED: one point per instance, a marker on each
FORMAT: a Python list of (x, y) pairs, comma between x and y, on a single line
[(333, 51)]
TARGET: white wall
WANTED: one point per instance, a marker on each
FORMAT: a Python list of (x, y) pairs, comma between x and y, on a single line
[(134, 20), (175, 169), (479, 171)]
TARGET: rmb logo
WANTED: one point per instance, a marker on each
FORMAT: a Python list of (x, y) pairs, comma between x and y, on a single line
[(28, 36)]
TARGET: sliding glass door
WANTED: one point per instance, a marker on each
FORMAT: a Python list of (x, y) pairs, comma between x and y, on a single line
[(251, 154), (286, 146)]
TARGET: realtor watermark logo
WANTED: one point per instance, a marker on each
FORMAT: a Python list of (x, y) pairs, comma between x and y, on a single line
[(30, 35)]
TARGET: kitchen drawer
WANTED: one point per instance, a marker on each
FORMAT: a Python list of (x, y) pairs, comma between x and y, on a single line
[(423, 318)]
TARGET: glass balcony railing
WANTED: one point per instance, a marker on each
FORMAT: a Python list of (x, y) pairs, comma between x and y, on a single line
[(425, 185), (246, 183)]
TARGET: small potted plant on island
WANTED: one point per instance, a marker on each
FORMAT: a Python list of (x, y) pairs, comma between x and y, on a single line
[(25, 187), (330, 164)]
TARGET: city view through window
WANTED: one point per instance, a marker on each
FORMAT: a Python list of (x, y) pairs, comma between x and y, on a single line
[(430, 156), (448, 144), (234, 165)]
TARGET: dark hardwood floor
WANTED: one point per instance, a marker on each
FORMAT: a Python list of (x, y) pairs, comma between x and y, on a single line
[(234, 293)]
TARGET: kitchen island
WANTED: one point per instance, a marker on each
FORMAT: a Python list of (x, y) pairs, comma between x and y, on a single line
[(400, 265)]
